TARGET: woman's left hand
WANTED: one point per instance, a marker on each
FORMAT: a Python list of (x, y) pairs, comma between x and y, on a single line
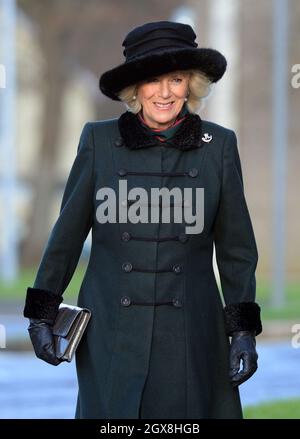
[(242, 348)]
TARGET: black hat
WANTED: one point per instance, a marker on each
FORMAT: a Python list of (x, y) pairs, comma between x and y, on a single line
[(157, 48)]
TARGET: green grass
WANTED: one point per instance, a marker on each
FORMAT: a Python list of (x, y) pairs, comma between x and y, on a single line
[(289, 311), (285, 409), (17, 290)]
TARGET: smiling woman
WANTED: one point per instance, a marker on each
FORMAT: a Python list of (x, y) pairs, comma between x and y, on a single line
[(158, 343)]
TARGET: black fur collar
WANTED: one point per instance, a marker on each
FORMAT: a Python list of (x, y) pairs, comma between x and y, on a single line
[(188, 136)]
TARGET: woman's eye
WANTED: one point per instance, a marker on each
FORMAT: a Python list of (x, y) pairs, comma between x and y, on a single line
[(177, 80)]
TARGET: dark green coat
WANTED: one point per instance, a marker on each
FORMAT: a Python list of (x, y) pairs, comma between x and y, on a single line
[(157, 344)]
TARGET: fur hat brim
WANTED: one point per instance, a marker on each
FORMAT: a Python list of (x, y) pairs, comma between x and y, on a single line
[(209, 61)]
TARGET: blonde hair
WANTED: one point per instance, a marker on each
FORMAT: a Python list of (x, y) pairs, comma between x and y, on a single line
[(199, 87)]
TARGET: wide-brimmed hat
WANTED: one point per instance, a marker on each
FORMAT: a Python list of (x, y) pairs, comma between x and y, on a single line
[(157, 48)]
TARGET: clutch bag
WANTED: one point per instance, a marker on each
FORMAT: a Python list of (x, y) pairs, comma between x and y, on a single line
[(68, 329)]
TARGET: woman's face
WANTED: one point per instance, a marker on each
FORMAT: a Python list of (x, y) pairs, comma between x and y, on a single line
[(162, 98)]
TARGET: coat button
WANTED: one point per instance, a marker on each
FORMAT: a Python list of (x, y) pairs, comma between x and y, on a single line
[(119, 141), (177, 303), (183, 237), (126, 236), (122, 172), (127, 266), (193, 172), (177, 268), (125, 301)]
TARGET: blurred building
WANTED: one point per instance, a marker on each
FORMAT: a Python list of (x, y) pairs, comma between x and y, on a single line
[(252, 116)]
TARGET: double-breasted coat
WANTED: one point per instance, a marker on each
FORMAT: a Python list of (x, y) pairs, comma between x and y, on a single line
[(157, 344)]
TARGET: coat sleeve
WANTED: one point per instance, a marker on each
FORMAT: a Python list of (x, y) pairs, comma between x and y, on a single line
[(65, 243), (236, 251)]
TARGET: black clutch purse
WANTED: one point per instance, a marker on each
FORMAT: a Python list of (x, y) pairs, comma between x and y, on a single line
[(68, 329)]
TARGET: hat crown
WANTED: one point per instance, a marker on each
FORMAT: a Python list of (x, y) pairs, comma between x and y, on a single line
[(157, 36)]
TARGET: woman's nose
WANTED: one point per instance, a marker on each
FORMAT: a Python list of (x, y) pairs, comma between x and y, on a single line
[(164, 90)]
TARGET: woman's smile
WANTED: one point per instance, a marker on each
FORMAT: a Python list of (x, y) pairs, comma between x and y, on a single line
[(163, 106)]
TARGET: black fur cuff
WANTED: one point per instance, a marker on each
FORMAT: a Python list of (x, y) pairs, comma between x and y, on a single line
[(41, 304), (244, 316)]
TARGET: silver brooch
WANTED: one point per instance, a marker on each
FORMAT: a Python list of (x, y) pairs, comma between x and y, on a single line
[(207, 137)]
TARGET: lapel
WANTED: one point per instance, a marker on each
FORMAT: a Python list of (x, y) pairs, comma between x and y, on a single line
[(188, 136)]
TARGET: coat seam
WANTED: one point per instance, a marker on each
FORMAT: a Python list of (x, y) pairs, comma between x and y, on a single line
[(185, 335), (93, 170), (110, 376), (155, 283), (225, 141), (221, 192)]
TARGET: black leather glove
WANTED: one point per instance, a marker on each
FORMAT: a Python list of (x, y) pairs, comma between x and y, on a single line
[(242, 348), (40, 331)]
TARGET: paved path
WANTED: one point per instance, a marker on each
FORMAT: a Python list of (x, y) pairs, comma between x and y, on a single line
[(30, 388)]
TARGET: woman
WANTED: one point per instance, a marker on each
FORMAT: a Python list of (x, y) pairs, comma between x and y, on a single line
[(157, 345)]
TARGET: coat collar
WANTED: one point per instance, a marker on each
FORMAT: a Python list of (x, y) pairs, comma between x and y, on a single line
[(188, 136)]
